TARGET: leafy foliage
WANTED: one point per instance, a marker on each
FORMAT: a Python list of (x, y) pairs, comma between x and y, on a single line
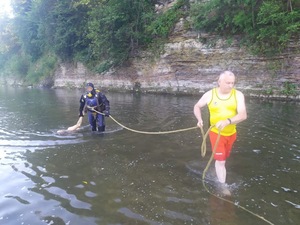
[(27, 32), (116, 29), (18, 65), (66, 28), (164, 23), (9, 43), (269, 24), (289, 89), (105, 33), (44, 67), (276, 26)]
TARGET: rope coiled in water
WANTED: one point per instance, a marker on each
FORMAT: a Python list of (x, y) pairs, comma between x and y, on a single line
[(203, 153)]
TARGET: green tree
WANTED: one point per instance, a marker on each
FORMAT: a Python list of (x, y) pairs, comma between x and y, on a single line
[(268, 24), (102, 33), (26, 28), (276, 25), (66, 27), (9, 43), (225, 16), (50, 25), (116, 28), (164, 23)]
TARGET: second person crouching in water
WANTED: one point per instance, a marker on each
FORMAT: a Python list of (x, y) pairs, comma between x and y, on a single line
[(92, 100)]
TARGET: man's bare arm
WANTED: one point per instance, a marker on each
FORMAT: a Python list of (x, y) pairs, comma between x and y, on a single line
[(201, 103), (241, 109)]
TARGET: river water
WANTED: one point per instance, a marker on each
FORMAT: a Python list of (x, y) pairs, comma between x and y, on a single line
[(121, 177)]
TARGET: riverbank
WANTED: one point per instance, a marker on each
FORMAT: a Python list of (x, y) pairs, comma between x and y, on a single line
[(128, 86), (186, 63), (187, 66)]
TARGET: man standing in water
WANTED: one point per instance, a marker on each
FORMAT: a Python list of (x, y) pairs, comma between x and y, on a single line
[(226, 107), (92, 100)]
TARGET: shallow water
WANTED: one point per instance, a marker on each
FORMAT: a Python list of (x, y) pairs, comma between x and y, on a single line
[(122, 177)]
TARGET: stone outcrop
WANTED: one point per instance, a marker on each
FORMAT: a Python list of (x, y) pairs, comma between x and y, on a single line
[(191, 63)]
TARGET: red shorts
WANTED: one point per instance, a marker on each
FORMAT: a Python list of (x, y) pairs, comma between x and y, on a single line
[(224, 147)]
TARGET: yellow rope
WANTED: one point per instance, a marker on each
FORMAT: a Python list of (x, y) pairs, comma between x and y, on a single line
[(152, 132), (147, 132), (203, 149), (203, 152)]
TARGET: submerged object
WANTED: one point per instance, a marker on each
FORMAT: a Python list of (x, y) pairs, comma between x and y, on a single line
[(72, 128)]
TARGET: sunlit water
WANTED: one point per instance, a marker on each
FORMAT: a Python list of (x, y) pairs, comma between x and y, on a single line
[(120, 177)]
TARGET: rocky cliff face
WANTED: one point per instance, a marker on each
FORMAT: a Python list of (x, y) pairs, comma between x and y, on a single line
[(191, 63), (188, 65)]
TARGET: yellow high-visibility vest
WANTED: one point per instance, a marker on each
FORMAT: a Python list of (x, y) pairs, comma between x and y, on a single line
[(221, 109)]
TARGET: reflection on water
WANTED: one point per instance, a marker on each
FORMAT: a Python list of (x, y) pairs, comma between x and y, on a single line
[(125, 178)]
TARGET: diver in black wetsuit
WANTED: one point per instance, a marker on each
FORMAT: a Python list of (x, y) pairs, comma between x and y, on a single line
[(94, 99)]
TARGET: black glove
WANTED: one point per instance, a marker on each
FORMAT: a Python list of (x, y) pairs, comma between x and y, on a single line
[(106, 113), (80, 114)]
